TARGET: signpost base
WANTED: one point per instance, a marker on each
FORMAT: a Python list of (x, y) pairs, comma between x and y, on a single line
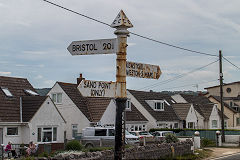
[(120, 106)]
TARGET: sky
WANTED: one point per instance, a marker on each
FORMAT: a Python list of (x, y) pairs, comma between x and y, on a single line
[(34, 37)]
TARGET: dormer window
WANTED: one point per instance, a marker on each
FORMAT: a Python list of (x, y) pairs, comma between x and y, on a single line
[(7, 92), (128, 104), (30, 92), (159, 106)]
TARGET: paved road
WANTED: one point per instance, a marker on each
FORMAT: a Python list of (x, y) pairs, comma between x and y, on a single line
[(235, 156)]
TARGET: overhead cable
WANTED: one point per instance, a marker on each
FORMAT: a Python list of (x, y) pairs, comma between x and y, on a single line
[(176, 77), (151, 39), (231, 63)]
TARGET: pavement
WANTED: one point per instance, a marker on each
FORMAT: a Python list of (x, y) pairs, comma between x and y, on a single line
[(221, 152)]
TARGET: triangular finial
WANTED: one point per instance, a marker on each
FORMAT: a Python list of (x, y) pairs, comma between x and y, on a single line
[(121, 21)]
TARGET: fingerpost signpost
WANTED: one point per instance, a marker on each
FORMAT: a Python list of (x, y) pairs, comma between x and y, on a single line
[(117, 90)]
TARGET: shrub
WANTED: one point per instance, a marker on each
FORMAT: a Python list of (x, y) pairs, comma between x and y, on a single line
[(43, 154), (74, 145), (207, 143), (171, 138)]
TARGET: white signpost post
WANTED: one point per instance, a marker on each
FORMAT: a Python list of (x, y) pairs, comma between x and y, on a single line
[(141, 70), (89, 88), (101, 46)]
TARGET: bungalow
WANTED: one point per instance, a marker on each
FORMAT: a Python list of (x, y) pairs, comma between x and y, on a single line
[(197, 111), (156, 107), (81, 112), (25, 116)]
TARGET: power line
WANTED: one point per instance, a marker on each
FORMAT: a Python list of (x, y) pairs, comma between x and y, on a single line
[(144, 37), (231, 63), (175, 78), (170, 45), (190, 84)]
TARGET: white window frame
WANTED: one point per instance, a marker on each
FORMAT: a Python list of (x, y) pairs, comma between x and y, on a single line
[(12, 134), (159, 108), (6, 92), (56, 101), (137, 127), (128, 104), (74, 130), (193, 125), (214, 125), (43, 130), (29, 91)]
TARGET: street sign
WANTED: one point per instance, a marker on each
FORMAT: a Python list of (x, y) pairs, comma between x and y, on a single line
[(88, 47), (121, 21), (141, 70), (89, 88)]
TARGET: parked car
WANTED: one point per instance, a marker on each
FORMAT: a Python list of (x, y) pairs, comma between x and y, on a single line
[(101, 136), (143, 135), (160, 135)]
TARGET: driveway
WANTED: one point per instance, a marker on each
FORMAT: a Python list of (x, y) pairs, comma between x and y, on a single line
[(221, 152)]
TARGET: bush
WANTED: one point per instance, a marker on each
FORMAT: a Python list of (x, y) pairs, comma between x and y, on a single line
[(74, 145), (43, 154), (165, 129), (207, 143), (171, 138)]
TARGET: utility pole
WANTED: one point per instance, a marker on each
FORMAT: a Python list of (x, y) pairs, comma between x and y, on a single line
[(121, 23), (221, 93)]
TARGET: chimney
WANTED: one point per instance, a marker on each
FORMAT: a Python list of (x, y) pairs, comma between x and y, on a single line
[(80, 79)]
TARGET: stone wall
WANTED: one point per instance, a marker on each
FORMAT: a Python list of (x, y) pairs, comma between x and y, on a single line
[(154, 151)]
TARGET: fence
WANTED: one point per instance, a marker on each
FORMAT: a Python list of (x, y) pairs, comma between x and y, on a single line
[(209, 134)]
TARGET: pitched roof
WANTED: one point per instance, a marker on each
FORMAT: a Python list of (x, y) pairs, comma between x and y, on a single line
[(167, 115), (181, 109), (30, 105), (134, 115), (96, 107), (10, 106), (81, 102), (223, 85), (217, 98), (42, 91)]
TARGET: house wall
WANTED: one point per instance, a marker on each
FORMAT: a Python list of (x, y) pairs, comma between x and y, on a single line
[(151, 121), (70, 112), (214, 116), (108, 117), (231, 122), (47, 116), (194, 116), (235, 90), (15, 139)]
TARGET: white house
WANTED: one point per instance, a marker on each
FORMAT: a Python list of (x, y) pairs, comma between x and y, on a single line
[(201, 113), (156, 108), (80, 112), (25, 116)]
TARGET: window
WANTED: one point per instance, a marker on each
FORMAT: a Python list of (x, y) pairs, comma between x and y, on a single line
[(57, 98), (101, 132), (225, 124), (191, 125), (175, 125), (74, 130), (12, 131), (214, 123), (161, 125), (30, 92), (159, 106), (138, 127), (128, 104), (7, 92), (238, 121), (47, 134), (111, 132), (231, 103)]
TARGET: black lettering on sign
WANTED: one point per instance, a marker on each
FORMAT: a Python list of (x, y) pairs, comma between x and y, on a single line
[(108, 46), (89, 84), (97, 93)]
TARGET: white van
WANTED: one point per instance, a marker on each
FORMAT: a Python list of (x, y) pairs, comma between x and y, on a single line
[(101, 136)]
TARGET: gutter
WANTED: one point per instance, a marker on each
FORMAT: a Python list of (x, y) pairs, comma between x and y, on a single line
[(21, 109)]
